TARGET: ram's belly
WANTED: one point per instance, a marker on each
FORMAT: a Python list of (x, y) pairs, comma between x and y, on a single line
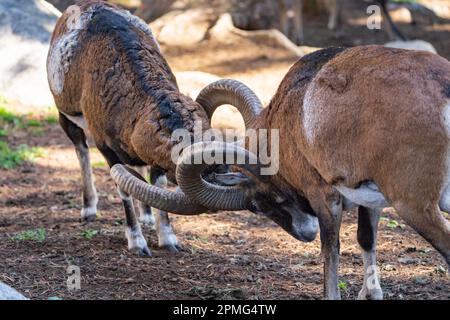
[(367, 195)]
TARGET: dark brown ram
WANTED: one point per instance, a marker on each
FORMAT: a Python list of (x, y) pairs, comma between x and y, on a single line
[(108, 76)]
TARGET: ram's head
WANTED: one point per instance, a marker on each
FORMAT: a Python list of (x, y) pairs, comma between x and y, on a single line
[(244, 187)]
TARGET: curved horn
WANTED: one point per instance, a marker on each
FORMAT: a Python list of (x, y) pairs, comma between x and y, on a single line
[(174, 202), (189, 175), (231, 92)]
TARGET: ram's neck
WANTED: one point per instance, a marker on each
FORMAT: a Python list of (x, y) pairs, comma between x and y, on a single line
[(294, 168), (165, 127)]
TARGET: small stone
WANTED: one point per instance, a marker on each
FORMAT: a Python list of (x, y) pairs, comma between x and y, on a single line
[(240, 260), (407, 260), (184, 28), (441, 270), (389, 267), (421, 280)]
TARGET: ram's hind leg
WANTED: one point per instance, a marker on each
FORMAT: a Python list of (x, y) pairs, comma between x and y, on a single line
[(145, 212), (367, 238), (78, 138), (330, 223), (429, 222), (166, 237)]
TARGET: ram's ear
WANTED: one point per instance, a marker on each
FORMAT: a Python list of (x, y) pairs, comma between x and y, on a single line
[(230, 179)]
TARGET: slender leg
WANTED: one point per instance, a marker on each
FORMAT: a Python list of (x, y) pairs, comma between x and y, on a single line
[(367, 238), (166, 236), (330, 223), (77, 136), (430, 224), (133, 231), (145, 212)]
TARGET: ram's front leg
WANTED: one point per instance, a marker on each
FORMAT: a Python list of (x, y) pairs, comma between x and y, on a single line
[(133, 231), (330, 223), (166, 237), (145, 211)]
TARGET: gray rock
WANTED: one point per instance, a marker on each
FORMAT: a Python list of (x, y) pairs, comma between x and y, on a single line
[(8, 293), (25, 31), (184, 28)]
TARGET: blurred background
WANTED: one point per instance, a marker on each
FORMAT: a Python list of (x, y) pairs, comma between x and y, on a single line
[(254, 41), (220, 37)]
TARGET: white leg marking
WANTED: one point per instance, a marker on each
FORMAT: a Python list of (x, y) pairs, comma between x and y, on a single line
[(88, 212), (135, 238), (147, 219), (90, 198), (371, 288), (133, 231), (444, 202), (367, 195), (166, 236)]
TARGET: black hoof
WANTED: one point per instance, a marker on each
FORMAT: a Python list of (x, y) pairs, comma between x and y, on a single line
[(89, 219), (172, 248), (143, 252)]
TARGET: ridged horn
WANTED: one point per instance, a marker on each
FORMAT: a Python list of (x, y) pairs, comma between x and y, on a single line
[(233, 92), (189, 175), (175, 202)]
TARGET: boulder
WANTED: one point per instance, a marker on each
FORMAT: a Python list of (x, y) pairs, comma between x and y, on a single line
[(8, 293), (440, 7), (225, 27), (422, 15), (400, 14), (25, 31), (184, 28)]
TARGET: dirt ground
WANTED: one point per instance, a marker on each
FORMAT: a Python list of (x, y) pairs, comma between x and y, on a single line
[(231, 255)]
